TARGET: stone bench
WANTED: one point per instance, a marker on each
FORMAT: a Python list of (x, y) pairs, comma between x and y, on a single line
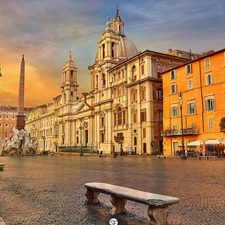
[(157, 204), (207, 157), (2, 166)]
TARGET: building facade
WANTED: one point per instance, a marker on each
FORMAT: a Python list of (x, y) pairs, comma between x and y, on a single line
[(122, 111), (8, 115), (196, 90)]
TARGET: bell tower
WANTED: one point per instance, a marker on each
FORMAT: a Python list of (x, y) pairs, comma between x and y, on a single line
[(69, 81)]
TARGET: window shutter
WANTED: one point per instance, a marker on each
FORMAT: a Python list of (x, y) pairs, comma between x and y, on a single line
[(188, 109), (206, 105), (211, 78), (207, 80)]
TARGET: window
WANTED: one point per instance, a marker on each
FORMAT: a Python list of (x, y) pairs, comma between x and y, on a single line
[(210, 124), (159, 75), (119, 113), (190, 84), (119, 91), (159, 94), (142, 70), (172, 75), (143, 93), (134, 95), (102, 121), (134, 76), (174, 111), (173, 89), (96, 82), (119, 116), (115, 120), (102, 136), (103, 81), (124, 117), (160, 115), (210, 104), (144, 132), (209, 79), (112, 47), (191, 108), (188, 69), (207, 63), (115, 92), (103, 51), (134, 117), (143, 115)]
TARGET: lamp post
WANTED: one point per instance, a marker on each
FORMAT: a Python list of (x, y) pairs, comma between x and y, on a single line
[(81, 128), (183, 155)]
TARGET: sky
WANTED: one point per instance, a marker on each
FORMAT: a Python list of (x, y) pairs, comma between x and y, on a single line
[(46, 30)]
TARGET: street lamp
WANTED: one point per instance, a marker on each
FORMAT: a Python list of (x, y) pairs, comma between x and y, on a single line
[(81, 128), (183, 155)]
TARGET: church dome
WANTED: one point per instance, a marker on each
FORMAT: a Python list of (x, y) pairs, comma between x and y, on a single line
[(113, 44), (127, 49)]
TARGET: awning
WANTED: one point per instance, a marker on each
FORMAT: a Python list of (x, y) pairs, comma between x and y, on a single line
[(212, 142), (195, 143)]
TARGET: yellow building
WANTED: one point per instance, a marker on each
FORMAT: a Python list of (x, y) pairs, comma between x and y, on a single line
[(194, 96)]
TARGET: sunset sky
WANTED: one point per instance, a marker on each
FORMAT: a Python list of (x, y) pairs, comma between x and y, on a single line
[(46, 30)]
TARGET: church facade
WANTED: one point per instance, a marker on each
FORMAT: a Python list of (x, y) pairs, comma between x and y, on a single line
[(123, 110)]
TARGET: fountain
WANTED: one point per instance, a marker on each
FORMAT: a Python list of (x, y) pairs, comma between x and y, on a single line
[(20, 143)]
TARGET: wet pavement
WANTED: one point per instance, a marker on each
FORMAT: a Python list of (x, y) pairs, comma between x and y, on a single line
[(42, 190)]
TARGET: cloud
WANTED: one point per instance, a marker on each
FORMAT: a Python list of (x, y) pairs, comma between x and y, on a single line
[(46, 30)]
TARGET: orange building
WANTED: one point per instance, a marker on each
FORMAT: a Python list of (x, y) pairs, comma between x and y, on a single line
[(194, 96), (8, 120)]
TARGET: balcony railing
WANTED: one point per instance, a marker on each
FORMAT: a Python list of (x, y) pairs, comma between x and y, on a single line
[(176, 132)]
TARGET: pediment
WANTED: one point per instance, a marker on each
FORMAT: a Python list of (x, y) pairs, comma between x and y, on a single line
[(83, 107)]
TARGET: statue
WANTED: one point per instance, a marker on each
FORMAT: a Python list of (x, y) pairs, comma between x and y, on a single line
[(19, 143)]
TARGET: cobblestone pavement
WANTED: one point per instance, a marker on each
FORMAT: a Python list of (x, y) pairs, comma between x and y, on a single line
[(50, 190)]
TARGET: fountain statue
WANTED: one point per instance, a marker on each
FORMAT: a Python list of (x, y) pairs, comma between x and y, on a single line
[(20, 143)]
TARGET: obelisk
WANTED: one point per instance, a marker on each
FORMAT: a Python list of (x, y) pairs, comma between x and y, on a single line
[(20, 122)]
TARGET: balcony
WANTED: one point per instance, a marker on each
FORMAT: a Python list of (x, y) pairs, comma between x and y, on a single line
[(118, 139), (222, 129), (176, 132)]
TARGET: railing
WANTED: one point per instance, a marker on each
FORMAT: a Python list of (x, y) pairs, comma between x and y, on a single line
[(175, 132)]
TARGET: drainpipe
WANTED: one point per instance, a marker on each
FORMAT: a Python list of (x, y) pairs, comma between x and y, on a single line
[(202, 102)]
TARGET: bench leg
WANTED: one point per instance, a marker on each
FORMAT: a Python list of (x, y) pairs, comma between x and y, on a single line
[(158, 215), (118, 205), (92, 197)]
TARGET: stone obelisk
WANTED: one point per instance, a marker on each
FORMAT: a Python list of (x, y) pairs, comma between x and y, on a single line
[(20, 122)]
